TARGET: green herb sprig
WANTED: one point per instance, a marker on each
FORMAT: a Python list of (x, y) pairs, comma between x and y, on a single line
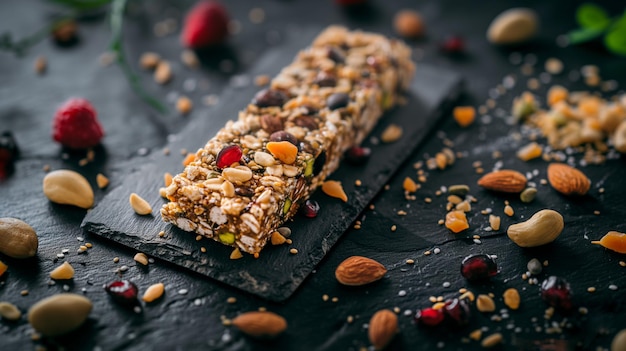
[(77, 8), (594, 23)]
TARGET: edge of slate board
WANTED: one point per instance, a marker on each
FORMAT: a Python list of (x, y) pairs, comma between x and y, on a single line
[(276, 274)]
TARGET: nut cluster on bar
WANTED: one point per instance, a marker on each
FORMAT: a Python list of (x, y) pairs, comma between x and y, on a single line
[(253, 175)]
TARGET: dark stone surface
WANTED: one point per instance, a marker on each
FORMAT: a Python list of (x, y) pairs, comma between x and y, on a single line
[(277, 273), (193, 320)]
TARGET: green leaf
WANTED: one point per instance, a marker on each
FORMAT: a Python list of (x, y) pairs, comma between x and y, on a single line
[(583, 35), (615, 41), (592, 16)]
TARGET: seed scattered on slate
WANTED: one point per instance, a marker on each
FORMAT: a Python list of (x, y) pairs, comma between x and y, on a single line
[(534, 266)]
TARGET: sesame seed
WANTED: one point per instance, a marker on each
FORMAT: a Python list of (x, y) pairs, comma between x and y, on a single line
[(116, 259), (393, 228), (231, 300), (402, 293), (410, 261), (350, 319), (334, 299), (446, 284), (437, 250), (591, 289), (183, 291), (325, 297), (293, 251), (613, 287)]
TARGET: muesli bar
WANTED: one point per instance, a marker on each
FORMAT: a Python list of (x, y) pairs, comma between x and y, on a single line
[(253, 175)]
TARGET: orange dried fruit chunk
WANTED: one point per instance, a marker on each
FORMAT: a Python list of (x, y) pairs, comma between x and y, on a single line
[(333, 188), (557, 93), (285, 151), (409, 185), (464, 115), (277, 239), (590, 105), (530, 151), (188, 159), (614, 241), (456, 221), (3, 268)]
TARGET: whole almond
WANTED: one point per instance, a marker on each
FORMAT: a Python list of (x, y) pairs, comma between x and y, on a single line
[(568, 180), (505, 180), (382, 328), (17, 238), (359, 270), (67, 187), (260, 324)]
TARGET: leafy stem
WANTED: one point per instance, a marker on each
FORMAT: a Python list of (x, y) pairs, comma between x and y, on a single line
[(117, 24), (594, 23)]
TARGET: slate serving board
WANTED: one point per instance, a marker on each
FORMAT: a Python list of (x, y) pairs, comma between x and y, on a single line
[(277, 273)]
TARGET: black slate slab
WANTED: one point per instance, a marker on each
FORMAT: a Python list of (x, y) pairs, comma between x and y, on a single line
[(277, 273)]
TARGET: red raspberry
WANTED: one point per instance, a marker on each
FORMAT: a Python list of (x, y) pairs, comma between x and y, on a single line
[(76, 125), (206, 24)]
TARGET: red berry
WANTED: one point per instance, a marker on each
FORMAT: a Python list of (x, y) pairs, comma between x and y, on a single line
[(310, 208), (556, 292), (453, 44), (206, 24), (228, 155), (8, 154), (429, 317), (76, 125), (123, 292), (358, 155), (457, 311), (478, 267)]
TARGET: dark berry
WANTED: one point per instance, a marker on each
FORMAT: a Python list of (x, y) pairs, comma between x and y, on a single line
[(478, 267), (123, 292), (325, 79), (76, 125), (65, 33), (228, 155), (457, 311), (336, 55), (555, 291), (269, 97), (308, 110), (310, 208), (319, 163), (307, 122), (8, 154), (358, 155), (429, 317), (284, 136), (247, 192), (337, 100), (453, 45)]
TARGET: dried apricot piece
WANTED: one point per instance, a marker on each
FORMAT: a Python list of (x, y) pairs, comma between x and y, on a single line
[(333, 188), (456, 221), (409, 185), (285, 151), (3, 268), (464, 115), (529, 152), (614, 241), (557, 93), (188, 159)]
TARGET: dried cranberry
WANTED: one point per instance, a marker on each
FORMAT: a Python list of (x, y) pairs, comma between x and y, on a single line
[(325, 79), (307, 122), (8, 154), (556, 292), (336, 55), (429, 317), (269, 97), (228, 155), (457, 311), (123, 292), (319, 163), (478, 267), (337, 100), (358, 155), (453, 45), (284, 136), (310, 208)]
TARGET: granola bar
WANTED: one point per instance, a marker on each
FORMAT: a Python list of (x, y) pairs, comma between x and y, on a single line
[(253, 175)]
